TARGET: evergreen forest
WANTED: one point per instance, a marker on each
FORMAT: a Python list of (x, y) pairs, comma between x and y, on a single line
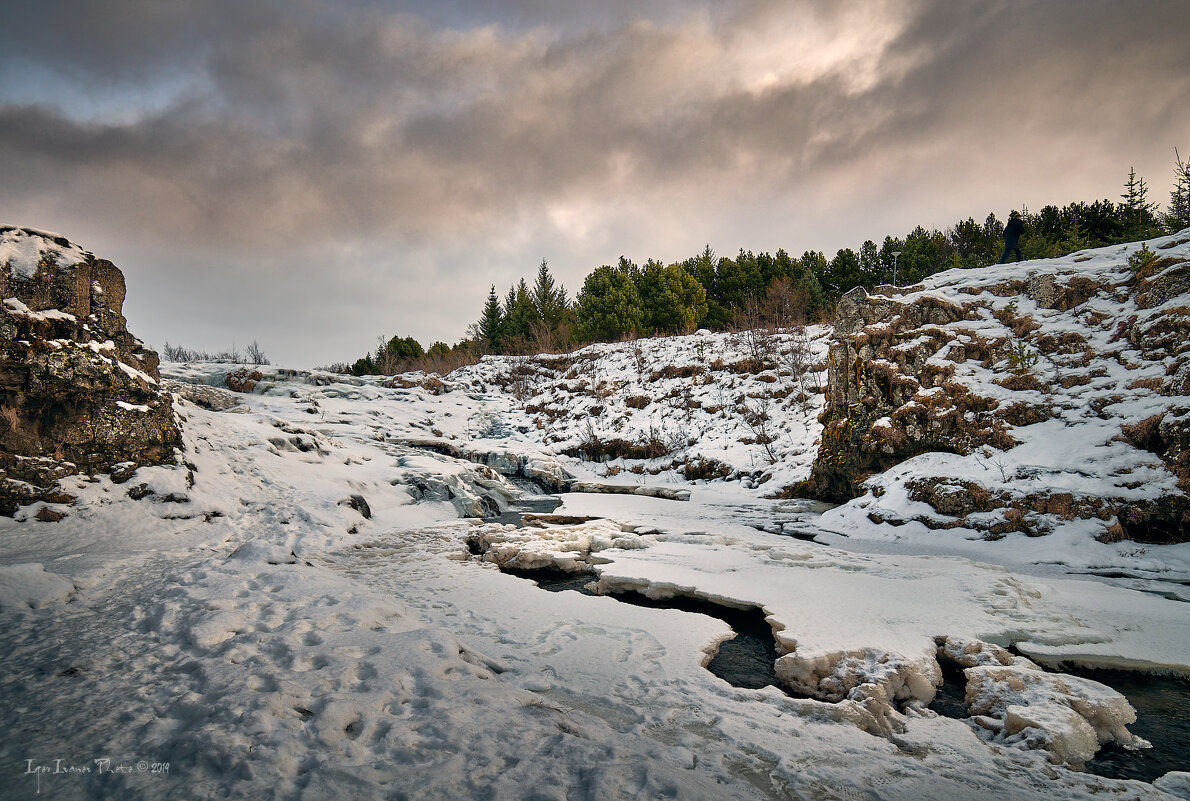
[(751, 290)]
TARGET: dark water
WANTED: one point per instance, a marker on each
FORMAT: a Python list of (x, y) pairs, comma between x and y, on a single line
[(744, 661), (1162, 717), (1162, 706), (948, 701), (1162, 702)]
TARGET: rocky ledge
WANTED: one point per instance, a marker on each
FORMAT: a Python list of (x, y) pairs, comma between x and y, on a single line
[(78, 392), (1018, 397)]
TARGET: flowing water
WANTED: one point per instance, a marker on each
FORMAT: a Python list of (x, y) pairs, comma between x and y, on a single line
[(1162, 703), (1162, 717)]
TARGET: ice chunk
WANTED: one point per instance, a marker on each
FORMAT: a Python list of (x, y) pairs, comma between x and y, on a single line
[(1069, 716), (566, 548), (835, 676)]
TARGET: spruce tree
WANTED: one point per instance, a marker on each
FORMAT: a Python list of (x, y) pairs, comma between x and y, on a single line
[(491, 323), (520, 318), (1136, 207), (548, 298), (1178, 216)]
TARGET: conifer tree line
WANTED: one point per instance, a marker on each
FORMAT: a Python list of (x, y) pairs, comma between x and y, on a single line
[(628, 300)]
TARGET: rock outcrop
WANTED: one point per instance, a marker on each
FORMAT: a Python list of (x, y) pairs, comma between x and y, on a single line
[(995, 379), (78, 392)]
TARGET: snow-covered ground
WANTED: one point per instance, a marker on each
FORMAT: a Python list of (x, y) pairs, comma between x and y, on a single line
[(300, 610), (244, 625)]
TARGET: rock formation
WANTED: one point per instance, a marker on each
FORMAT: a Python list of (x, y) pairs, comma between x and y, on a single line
[(1093, 348), (78, 392)]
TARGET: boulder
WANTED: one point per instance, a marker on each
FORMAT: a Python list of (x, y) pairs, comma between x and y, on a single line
[(78, 392)]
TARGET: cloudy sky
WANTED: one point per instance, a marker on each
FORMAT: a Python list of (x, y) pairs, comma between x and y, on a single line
[(314, 173)]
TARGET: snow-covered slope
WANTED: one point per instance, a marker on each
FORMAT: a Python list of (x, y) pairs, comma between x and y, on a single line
[(742, 406), (1047, 398)]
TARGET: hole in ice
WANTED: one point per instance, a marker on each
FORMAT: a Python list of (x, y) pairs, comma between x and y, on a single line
[(744, 661), (948, 701)]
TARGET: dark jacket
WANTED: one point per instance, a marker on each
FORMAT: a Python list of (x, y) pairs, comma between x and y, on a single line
[(1013, 231)]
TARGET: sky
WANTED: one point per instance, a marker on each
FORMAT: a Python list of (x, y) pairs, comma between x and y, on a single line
[(314, 174)]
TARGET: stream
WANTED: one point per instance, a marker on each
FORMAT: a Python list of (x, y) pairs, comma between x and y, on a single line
[(746, 661)]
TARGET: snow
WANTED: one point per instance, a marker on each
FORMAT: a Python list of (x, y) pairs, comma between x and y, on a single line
[(23, 250), (1176, 783), (30, 585), (15, 305), (249, 628)]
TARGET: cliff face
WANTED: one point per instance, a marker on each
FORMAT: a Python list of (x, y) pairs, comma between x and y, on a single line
[(1018, 397), (78, 392)]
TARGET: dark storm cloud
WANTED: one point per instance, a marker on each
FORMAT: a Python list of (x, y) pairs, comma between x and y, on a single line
[(372, 120), (276, 126)]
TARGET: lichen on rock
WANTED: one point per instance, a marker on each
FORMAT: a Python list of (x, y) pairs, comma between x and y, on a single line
[(78, 392), (955, 381)]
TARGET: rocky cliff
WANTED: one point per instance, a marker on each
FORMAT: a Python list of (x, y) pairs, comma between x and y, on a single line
[(78, 392), (1018, 397)]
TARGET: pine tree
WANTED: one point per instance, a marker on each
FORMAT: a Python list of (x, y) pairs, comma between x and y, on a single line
[(672, 300), (520, 318), (491, 324), (1137, 209), (609, 305), (1178, 216), (548, 298)]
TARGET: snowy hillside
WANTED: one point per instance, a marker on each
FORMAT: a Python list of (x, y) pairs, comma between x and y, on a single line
[(740, 406), (1047, 402), (319, 601)]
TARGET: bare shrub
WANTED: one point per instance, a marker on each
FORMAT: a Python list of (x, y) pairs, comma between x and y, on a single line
[(11, 416), (674, 371), (785, 307), (705, 469), (594, 448), (753, 328), (796, 359), (179, 353), (255, 354), (758, 420)]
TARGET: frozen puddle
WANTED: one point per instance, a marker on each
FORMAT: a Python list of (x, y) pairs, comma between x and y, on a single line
[(745, 661)]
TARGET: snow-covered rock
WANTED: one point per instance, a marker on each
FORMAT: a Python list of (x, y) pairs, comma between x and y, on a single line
[(80, 393), (1017, 398)]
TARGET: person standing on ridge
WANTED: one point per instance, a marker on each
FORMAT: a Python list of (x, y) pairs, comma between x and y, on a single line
[(1012, 235)]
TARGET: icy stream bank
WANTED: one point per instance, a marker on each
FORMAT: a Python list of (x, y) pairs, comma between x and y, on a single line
[(745, 660), (270, 640)]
